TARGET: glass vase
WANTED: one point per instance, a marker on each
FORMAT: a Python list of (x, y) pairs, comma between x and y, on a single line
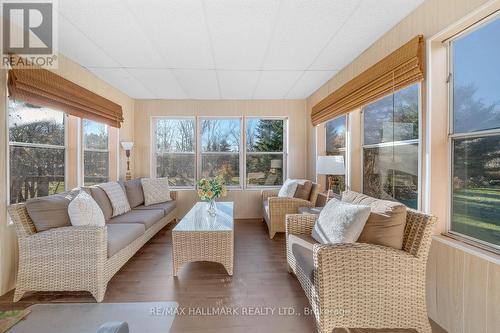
[(212, 208)]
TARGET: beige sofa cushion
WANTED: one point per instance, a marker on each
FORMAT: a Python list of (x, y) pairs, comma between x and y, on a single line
[(135, 194), (386, 223), (50, 211), (121, 235), (146, 217), (166, 207), (303, 190)]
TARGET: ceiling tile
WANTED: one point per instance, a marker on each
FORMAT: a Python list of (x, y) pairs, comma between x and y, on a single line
[(161, 82), (275, 84), (303, 30), (241, 31), (124, 81), (84, 52), (308, 83), (178, 31), (237, 84), (366, 26), (198, 84), (111, 26)]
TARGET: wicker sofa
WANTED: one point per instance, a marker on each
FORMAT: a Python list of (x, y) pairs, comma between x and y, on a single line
[(275, 209), (83, 258), (360, 285)]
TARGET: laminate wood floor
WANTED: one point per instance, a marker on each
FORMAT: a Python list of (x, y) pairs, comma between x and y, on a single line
[(261, 286)]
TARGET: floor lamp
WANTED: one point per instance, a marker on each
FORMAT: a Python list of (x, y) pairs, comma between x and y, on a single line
[(127, 146), (330, 166)]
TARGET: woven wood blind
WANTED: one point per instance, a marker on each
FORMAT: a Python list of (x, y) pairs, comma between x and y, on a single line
[(401, 68), (45, 88)]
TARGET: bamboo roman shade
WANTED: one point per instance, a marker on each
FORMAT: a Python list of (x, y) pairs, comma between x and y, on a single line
[(44, 88), (398, 70)]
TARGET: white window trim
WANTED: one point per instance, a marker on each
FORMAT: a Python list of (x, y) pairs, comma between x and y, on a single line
[(452, 137), (397, 143)]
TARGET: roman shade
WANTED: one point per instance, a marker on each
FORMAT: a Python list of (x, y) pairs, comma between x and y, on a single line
[(401, 68), (44, 88)]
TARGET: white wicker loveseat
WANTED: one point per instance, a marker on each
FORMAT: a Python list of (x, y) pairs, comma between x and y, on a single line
[(76, 258)]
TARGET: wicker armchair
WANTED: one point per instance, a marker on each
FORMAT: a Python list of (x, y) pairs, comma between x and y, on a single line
[(275, 208), (362, 285)]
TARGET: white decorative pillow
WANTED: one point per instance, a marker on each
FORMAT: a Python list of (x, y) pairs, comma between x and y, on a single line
[(117, 197), (83, 210), (288, 189), (156, 190), (340, 222)]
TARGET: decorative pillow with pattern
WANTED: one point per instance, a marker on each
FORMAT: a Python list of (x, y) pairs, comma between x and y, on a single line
[(288, 189), (156, 190), (117, 197), (83, 210)]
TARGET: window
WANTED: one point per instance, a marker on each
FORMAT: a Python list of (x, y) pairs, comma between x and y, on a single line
[(391, 147), (95, 152), (220, 149), (175, 156), (336, 145), (475, 133), (265, 152), (36, 151)]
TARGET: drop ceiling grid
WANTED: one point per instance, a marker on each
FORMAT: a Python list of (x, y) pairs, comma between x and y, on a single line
[(222, 49)]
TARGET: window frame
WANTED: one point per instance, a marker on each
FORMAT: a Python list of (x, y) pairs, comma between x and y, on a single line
[(200, 152), (397, 143), (453, 137), (154, 151), (33, 145), (284, 152), (83, 150)]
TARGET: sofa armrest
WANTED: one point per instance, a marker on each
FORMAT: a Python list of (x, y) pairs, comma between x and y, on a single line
[(300, 224), (287, 205), (74, 243), (266, 194)]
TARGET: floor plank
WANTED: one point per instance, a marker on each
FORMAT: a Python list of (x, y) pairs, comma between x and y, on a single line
[(260, 284)]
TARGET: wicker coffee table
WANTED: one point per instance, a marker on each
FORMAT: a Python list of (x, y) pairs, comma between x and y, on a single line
[(201, 237)]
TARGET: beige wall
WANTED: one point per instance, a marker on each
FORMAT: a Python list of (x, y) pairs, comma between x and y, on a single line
[(82, 77), (247, 203), (462, 297)]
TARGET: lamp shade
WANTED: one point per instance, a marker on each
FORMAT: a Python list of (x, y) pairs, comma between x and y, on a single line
[(330, 165), (127, 145)]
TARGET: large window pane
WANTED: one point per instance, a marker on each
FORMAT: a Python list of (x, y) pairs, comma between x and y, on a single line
[(476, 188), (96, 166), (405, 117), (32, 124), (476, 78), (264, 135), (95, 135), (391, 173), (179, 168), (35, 172), (265, 169), (225, 165), (175, 135), (335, 135), (378, 121), (220, 135)]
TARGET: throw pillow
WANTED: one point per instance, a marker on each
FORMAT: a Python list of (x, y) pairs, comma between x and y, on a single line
[(83, 210), (156, 190), (288, 189), (387, 221), (117, 197), (133, 189), (303, 190), (340, 222)]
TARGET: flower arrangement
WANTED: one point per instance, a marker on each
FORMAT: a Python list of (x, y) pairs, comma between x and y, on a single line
[(211, 188)]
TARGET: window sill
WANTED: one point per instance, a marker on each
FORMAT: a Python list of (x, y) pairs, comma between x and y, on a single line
[(468, 248)]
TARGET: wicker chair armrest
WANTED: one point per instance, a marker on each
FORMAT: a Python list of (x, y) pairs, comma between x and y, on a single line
[(300, 224), (292, 203), (269, 193), (72, 242)]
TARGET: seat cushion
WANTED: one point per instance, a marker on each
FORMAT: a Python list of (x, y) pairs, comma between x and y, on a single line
[(146, 217), (50, 211), (167, 207), (386, 223), (304, 258), (133, 189), (303, 240), (121, 235)]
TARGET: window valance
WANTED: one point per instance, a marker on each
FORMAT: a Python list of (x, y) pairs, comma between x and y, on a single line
[(401, 68), (45, 88)]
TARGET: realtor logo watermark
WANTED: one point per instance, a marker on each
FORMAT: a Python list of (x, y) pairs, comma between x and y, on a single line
[(29, 33)]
